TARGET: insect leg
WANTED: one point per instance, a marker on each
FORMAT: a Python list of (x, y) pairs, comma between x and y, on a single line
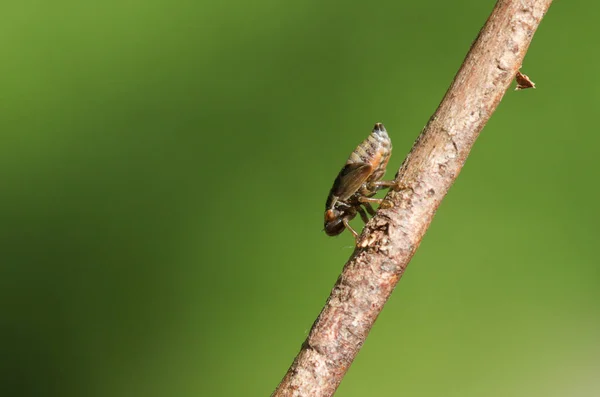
[(369, 208), (378, 185), (363, 214), (364, 199), (347, 224)]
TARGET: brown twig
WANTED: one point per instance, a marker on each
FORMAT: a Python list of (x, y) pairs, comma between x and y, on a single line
[(390, 239)]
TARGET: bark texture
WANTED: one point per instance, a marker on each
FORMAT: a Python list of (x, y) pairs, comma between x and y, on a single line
[(390, 239)]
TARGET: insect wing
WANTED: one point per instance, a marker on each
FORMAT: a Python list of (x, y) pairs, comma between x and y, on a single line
[(350, 178)]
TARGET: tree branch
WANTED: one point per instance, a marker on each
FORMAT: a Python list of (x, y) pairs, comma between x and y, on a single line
[(390, 239)]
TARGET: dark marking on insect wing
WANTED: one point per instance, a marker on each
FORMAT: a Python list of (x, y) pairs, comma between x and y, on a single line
[(358, 181)]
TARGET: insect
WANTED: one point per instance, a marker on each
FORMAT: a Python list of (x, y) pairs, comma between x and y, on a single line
[(358, 182)]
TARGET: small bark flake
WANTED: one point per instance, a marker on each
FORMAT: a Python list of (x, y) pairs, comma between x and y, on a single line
[(523, 81)]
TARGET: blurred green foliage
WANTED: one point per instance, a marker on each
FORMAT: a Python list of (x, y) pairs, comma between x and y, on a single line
[(164, 168)]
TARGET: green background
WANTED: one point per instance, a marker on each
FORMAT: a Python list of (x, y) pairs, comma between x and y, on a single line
[(164, 168)]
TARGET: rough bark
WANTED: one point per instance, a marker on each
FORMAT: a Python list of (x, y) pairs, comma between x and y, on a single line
[(390, 239)]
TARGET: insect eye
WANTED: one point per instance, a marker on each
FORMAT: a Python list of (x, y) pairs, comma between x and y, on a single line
[(331, 215)]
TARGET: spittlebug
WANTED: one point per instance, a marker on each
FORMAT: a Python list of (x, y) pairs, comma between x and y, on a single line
[(358, 182)]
